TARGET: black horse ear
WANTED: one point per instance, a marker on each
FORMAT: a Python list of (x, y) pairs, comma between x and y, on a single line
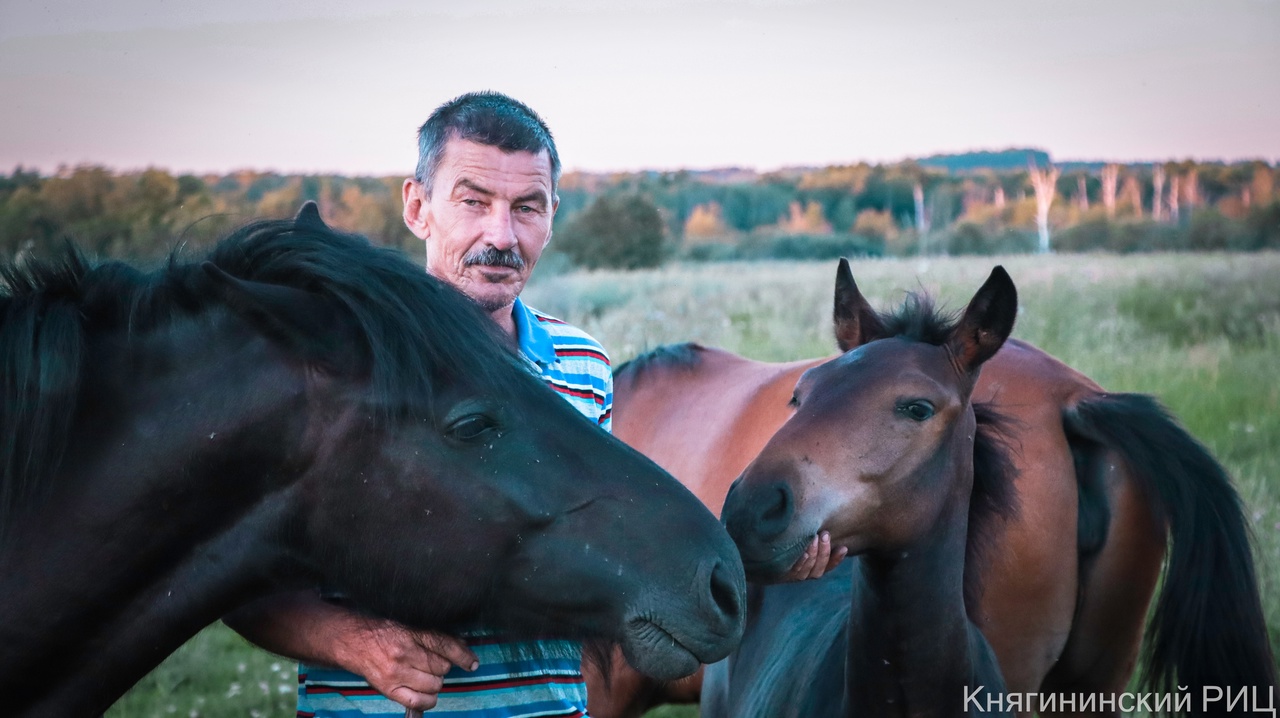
[(856, 322), (309, 216), (308, 325), (986, 323)]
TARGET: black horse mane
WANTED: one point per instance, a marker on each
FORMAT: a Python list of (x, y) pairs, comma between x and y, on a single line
[(993, 500), (420, 332)]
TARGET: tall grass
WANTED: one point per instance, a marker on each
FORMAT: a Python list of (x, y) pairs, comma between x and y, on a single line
[(1202, 332)]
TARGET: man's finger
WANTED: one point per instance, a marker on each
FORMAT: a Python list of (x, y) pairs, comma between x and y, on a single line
[(413, 700), (800, 570), (837, 556), (450, 648), (822, 556)]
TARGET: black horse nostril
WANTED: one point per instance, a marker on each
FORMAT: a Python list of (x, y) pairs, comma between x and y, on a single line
[(725, 592)]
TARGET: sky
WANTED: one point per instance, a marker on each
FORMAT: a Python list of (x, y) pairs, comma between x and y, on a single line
[(326, 86)]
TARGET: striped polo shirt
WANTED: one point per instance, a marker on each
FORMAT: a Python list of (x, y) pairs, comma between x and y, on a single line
[(516, 679)]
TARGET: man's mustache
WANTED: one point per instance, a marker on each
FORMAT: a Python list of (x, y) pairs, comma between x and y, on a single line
[(494, 257)]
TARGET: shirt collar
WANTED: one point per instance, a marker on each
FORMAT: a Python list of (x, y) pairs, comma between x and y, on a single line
[(533, 339)]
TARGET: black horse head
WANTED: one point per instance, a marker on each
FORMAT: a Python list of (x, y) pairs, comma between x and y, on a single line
[(304, 409)]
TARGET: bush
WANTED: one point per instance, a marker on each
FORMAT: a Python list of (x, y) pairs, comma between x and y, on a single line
[(973, 238), (618, 232), (1210, 230), (788, 246), (1261, 228), (1101, 235)]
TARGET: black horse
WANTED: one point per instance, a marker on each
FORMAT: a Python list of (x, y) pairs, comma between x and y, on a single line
[(303, 409)]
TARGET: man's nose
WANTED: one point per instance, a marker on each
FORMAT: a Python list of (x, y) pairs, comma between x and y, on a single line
[(500, 230)]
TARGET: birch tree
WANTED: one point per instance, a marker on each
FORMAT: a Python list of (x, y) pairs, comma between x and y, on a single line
[(1157, 190), (1045, 182), (1110, 174)]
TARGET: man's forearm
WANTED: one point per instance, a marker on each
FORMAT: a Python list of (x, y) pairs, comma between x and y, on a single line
[(298, 625)]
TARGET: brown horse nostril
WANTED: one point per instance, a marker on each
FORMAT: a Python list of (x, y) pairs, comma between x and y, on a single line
[(776, 506)]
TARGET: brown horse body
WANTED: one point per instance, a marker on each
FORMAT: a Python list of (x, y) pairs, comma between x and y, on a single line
[(1072, 573), (716, 412)]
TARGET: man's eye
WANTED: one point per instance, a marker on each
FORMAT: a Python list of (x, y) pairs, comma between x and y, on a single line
[(471, 202)]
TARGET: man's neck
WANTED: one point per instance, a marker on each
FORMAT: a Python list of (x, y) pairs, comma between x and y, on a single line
[(505, 319)]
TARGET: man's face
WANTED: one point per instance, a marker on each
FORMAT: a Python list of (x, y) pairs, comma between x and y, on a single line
[(487, 220)]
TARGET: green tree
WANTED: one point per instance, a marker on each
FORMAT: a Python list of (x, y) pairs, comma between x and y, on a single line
[(615, 231)]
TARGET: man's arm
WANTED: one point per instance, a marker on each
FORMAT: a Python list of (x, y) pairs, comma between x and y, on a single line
[(406, 666)]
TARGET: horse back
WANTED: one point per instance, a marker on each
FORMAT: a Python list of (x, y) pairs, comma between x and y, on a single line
[(704, 415)]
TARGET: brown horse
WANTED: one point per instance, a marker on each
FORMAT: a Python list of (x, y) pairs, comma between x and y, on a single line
[(1111, 476), (887, 453)]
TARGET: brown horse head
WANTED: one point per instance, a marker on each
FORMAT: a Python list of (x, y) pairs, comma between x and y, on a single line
[(881, 444)]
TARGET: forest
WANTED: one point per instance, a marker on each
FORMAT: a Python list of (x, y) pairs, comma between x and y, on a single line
[(1010, 201)]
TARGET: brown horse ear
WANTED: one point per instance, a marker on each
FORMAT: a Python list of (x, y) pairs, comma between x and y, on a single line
[(309, 216), (856, 322), (309, 326), (986, 323)]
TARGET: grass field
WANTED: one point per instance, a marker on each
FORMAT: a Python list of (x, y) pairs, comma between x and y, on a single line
[(1202, 332)]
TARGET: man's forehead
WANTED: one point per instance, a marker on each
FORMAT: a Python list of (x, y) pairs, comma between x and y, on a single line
[(465, 160)]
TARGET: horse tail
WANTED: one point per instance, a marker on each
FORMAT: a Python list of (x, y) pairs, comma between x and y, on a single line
[(1208, 628)]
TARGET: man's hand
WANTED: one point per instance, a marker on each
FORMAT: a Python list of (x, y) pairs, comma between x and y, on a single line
[(406, 666), (816, 560)]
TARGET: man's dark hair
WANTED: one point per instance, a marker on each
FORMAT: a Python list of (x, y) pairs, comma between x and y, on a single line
[(488, 118)]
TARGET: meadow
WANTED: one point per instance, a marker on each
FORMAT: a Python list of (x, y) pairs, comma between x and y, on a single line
[(1199, 331)]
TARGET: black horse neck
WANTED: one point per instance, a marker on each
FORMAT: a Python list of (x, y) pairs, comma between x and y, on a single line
[(912, 648), (149, 533)]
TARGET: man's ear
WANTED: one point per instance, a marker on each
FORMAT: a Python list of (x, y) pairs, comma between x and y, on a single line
[(415, 208), (555, 204)]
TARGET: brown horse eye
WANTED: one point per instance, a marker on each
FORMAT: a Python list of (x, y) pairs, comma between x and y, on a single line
[(470, 428), (917, 410)]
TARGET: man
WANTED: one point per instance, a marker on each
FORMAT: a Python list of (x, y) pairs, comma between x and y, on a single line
[(482, 198)]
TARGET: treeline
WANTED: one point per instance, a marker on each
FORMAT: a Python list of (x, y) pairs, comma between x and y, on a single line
[(146, 214), (941, 205)]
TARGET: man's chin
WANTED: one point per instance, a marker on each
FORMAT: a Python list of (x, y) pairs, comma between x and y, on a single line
[(492, 301)]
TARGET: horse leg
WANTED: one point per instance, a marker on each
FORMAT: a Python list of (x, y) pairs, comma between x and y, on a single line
[(1118, 580)]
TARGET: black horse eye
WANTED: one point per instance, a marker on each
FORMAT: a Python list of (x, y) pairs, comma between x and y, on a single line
[(471, 427), (918, 410)]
